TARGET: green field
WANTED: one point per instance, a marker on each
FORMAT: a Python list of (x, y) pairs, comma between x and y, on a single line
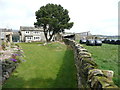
[(49, 66), (106, 56)]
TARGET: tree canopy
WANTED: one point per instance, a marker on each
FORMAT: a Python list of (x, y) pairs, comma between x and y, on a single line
[(53, 18)]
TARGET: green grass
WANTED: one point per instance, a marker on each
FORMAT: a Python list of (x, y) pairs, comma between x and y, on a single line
[(50, 66), (106, 56)]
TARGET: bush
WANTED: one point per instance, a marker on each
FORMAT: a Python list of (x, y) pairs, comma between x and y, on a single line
[(3, 45)]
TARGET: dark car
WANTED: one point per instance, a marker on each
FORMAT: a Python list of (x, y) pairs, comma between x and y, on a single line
[(118, 42), (103, 40), (109, 41), (114, 41), (82, 41), (90, 42), (98, 42)]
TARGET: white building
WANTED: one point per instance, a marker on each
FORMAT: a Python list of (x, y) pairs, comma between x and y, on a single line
[(28, 34)]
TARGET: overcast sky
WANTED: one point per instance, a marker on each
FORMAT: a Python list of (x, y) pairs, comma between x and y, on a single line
[(96, 16)]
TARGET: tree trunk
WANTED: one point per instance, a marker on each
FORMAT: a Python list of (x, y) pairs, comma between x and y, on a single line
[(51, 36), (46, 36), (45, 33)]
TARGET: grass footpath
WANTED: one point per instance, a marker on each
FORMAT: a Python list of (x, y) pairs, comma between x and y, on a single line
[(49, 66), (106, 56)]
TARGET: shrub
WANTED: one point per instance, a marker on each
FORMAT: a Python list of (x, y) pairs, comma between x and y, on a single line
[(3, 45)]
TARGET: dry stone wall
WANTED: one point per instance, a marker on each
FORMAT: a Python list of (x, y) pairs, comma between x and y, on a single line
[(88, 74)]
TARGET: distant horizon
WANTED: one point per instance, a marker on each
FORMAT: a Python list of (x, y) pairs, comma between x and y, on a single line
[(77, 32), (65, 31)]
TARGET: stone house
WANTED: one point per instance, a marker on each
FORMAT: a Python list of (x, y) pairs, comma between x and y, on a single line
[(6, 35), (28, 34)]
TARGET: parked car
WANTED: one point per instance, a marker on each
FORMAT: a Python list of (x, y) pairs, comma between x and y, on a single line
[(118, 42), (109, 41), (113, 41), (90, 42), (98, 42), (103, 40), (82, 41)]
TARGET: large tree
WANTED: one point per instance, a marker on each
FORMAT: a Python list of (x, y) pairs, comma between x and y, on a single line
[(54, 19)]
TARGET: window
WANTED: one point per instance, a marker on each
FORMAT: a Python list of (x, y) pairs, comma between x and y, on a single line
[(36, 32), (27, 31), (36, 38)]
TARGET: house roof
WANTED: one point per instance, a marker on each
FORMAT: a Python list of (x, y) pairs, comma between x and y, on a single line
[(27, 28), (5, 30)]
